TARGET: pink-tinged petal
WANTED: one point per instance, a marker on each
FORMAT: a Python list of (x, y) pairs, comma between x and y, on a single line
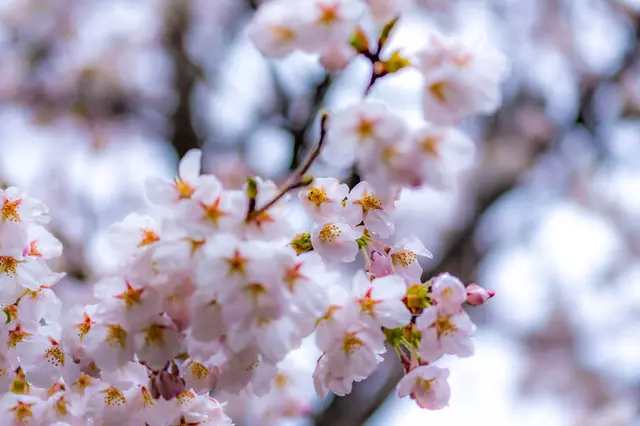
[(189, 168), (160, 191), (428, 317)]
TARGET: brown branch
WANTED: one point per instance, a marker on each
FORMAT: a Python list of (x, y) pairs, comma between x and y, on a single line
[(299, 178), (185, 75), (300, 131)]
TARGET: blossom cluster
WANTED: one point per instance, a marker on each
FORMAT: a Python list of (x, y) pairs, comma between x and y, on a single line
[(215, 291), (48, 371), (460, 80)]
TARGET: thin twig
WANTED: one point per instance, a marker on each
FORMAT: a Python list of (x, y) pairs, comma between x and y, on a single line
[(298, 178)]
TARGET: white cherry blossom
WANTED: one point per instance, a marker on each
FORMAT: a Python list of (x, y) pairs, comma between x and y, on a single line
[(335, 240), (444, 152), (323, 198), (357, 131), (427, 385), (157, 343), (449, 293), (460, 80), (380, 300), (168, 193), (278, 27), (404, 257), (442, 333), (365, 204)]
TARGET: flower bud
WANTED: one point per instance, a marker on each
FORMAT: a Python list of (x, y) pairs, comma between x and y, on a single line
[(381, 264), (301, 243), (167, 385), (477, 295)]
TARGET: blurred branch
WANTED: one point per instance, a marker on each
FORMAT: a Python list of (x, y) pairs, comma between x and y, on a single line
[(299, 131), (185, 75)]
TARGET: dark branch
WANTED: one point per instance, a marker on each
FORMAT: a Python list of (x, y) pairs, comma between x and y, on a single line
[(300, 131), (185, 75)]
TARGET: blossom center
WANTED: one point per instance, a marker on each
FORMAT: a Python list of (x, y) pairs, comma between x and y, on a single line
[(114, 397), (22, 410), (236, 263), (388, 154), (131, 296), (440, 90), (184, 189), (10, 210), (34, 250), (154, 335), (84, 381), (8, 265), (369, 202), (329, 14), (61, 406), (317, 196), (444, 325), (368, 305), (212, 212), (329, 232), (16, 336), (281, 381), (424, 384), (463, 60), (365, 128), (292, 275), (351, 342), (185, 397), (198, 370), (149, 236), (403, 258), (147, 399), (255, 290), (116, 336), (329, 314), (430, 146), (55, 356), (84, 326), (283, 33)]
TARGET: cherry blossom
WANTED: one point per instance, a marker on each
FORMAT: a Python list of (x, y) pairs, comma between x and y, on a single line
[(375, 210), (359, 130), (380, 300), (323, 198), (336, 240), (449, 293), (460, 80), (166, 193), (427, 385), (442, 333), (404, 257)]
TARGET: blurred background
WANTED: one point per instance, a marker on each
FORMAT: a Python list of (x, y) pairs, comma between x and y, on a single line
[(97, 95)]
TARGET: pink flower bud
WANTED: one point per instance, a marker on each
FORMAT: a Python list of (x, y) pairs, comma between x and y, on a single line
[(337, 57), (381, 264), (167, 385), (477, 295)]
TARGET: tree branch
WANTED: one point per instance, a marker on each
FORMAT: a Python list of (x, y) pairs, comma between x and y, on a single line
[(183, 134)]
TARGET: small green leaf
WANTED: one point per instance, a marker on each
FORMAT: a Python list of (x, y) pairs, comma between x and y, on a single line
[(386, 32)]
